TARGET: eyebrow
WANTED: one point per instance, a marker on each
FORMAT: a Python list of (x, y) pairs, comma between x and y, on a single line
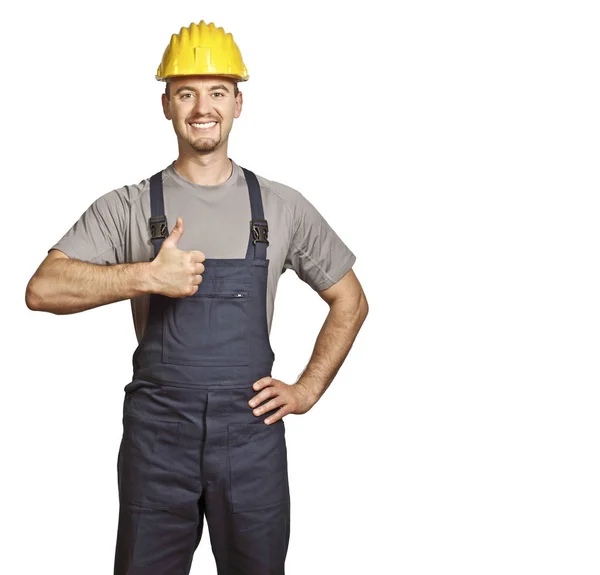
[(192, 89)]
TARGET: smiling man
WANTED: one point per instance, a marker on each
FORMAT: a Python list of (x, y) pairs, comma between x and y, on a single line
[(203, 417), (202, 133)]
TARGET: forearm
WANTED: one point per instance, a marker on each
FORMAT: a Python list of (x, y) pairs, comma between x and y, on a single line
[(66, 286), (333, 344)]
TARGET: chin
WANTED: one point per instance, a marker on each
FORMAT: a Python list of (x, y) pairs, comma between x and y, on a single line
[(205, 146)]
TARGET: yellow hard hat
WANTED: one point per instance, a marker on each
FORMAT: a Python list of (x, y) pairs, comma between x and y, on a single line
[(202, 49)]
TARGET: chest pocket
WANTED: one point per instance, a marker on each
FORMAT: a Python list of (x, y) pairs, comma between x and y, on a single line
[(209, 328)]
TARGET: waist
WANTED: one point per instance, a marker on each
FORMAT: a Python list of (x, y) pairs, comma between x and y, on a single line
[(194, 377)]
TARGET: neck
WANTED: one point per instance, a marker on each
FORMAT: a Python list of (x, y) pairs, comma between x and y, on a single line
[(206, 170)]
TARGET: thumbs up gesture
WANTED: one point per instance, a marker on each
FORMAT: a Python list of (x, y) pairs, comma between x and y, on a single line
[(177, 273)]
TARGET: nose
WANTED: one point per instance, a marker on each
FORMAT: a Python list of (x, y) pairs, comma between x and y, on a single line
[(203, 105)]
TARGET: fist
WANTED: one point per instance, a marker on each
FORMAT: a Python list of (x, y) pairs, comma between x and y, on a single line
[(177, 273)]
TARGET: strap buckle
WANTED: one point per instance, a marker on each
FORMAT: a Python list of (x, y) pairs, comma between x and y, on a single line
[(260, 231), (158, 227)]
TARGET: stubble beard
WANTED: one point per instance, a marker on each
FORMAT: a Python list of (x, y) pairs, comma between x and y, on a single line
[(201, 143), (204, 145)]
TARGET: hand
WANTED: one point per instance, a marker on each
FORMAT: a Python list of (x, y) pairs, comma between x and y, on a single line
[(176, 273), (289, 398)]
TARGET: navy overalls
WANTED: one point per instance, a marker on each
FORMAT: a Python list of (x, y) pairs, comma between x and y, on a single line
[(191, 445)]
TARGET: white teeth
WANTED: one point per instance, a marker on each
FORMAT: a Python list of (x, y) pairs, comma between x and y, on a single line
[(204, 126)]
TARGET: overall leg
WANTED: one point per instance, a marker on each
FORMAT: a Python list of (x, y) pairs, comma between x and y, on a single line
[(248, 542), (247, 491), (161, 504)]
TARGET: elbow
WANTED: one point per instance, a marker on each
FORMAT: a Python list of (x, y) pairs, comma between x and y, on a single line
[(41, 289), (36, 297), (363, 307), (33, 298)]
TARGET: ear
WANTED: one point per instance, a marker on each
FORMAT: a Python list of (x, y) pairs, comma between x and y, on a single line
[(166, 107), (239, 101)]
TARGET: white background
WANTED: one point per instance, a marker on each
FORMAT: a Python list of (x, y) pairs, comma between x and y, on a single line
[(454, 147)]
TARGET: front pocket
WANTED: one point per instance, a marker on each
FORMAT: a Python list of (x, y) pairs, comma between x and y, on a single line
[(208, 328), (146, 461), (258, 465)]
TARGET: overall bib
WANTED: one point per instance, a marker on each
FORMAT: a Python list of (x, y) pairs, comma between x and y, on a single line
[(191, 446)]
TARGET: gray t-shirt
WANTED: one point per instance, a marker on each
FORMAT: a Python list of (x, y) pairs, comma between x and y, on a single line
[(114, 230)]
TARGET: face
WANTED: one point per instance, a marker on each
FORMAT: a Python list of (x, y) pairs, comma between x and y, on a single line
[(202, 109)]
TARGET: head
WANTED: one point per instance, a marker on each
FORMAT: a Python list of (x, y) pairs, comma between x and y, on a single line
[(192, 100)]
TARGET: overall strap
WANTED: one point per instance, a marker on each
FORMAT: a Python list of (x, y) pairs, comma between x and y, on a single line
[(158, 219), (259, 229)]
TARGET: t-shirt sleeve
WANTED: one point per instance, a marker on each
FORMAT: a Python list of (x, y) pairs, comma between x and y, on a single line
[(316, 253), (98, 236)]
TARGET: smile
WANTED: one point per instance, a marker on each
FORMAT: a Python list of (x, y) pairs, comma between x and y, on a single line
[(206, 126)]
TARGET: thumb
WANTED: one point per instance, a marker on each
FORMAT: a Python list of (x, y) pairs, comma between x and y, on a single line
[(175, 234)]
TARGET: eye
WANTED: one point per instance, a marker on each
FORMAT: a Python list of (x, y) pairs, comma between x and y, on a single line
[(218, 94), (183, 96)]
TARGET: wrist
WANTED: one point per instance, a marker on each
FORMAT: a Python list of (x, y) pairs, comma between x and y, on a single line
[(147, 283), (309, 393)]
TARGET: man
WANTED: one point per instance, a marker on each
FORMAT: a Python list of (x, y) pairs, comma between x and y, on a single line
[(203, 429)]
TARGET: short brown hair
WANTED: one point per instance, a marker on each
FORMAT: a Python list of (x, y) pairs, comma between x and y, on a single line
[(168, 94)]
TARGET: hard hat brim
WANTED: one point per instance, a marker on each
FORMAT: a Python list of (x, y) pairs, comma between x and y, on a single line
[(228, 76)]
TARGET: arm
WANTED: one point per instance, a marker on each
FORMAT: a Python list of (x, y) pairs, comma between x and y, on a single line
[(317, 254), (348, 309), (62, 285)]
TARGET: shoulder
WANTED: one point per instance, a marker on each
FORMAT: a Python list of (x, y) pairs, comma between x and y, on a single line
[(289, 198), (126, 199), (278, 191), (119, 200), (127, 195)]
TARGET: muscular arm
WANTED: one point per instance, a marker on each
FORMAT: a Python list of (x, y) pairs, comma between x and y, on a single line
[(62, 285), (348, 309)]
